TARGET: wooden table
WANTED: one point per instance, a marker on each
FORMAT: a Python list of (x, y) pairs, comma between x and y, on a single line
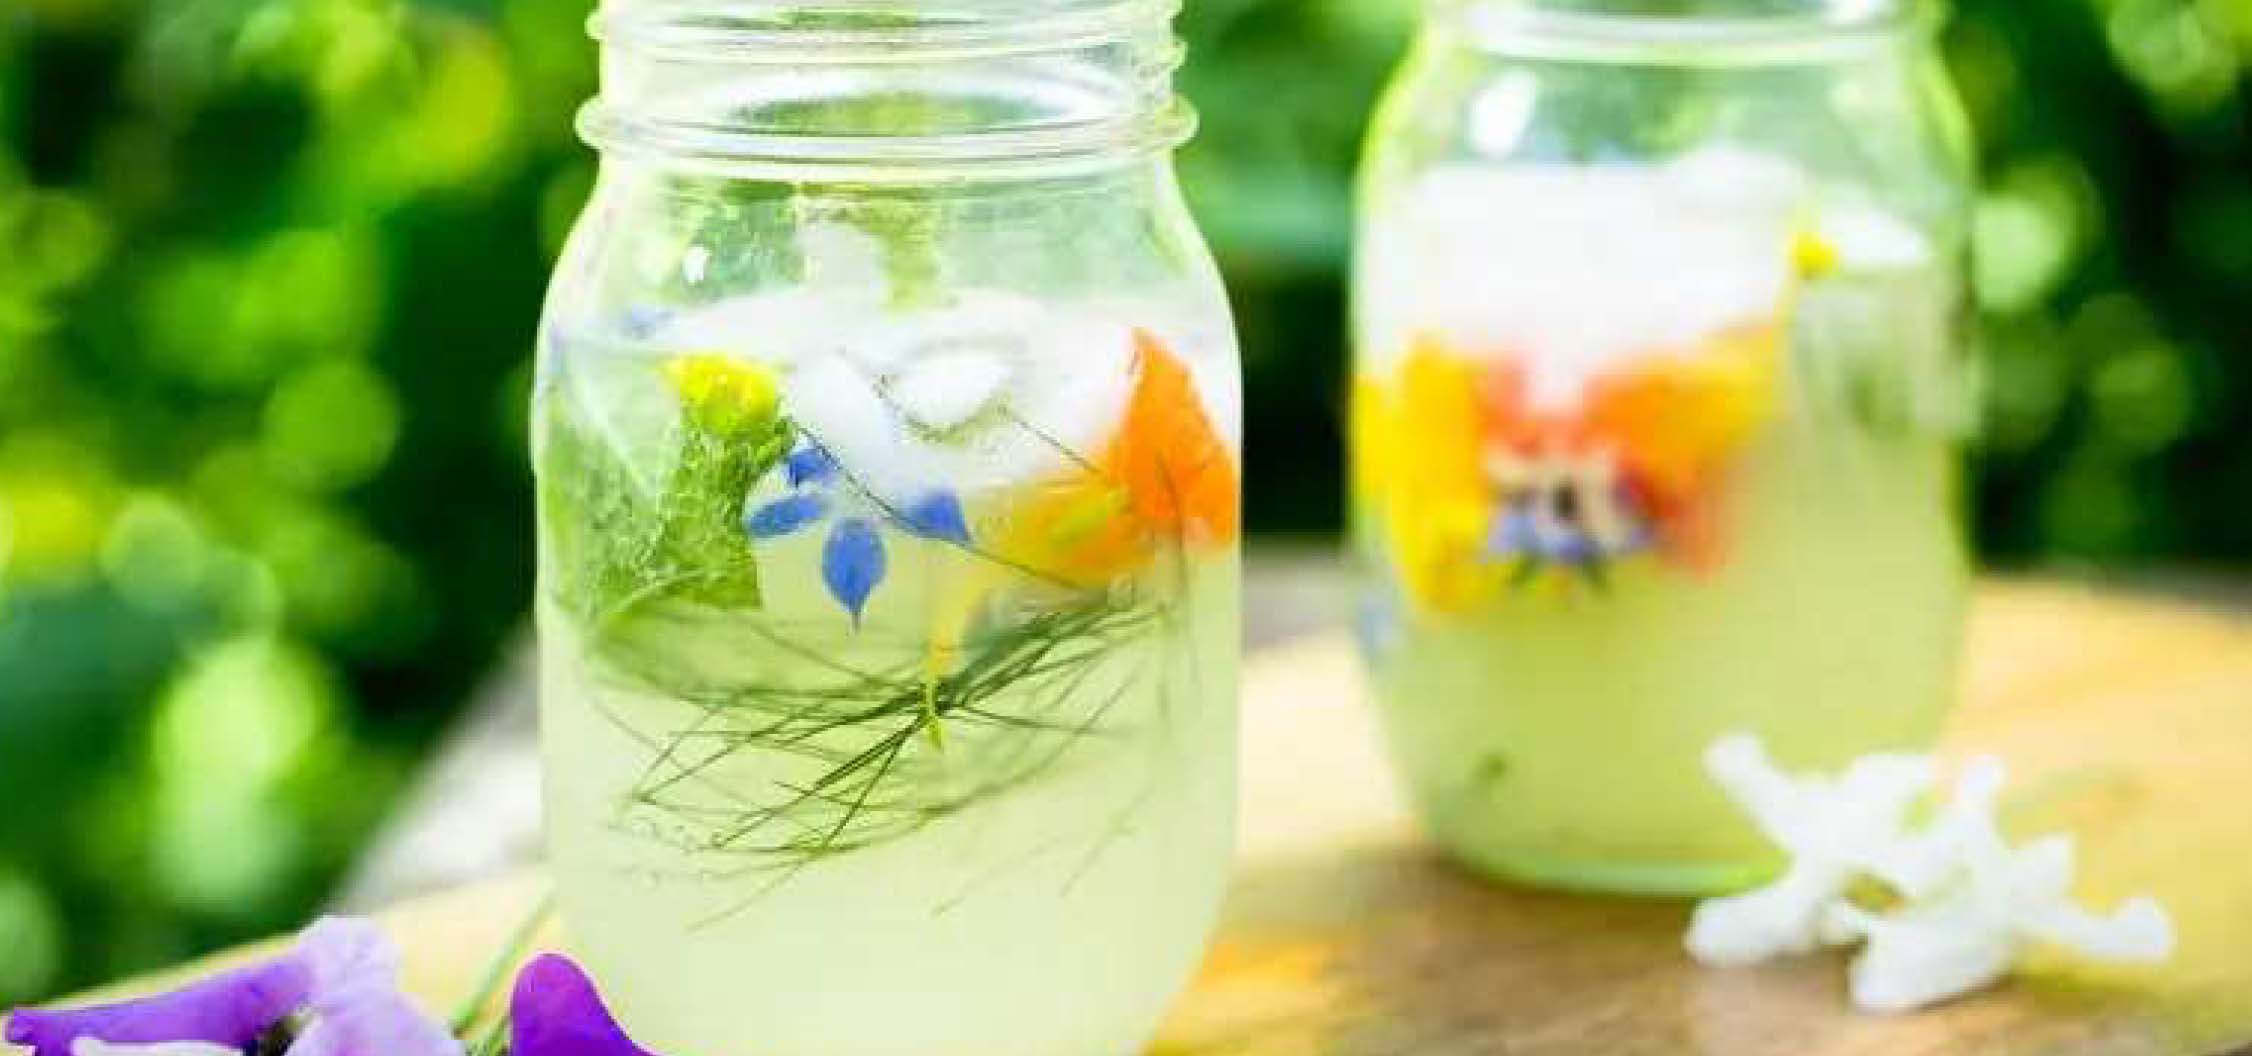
[(2128, 722)]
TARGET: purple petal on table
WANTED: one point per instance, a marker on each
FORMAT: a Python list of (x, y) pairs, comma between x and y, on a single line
[(346, 952), (98, 1047), (785, 515), (555, 1011), (809, 464), (232, 1009), (937, 515), (367, 1020), (355, 1000), (852, 563)]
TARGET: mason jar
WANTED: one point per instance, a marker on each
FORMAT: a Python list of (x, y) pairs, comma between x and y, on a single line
[(887, 427), (1659, 383)]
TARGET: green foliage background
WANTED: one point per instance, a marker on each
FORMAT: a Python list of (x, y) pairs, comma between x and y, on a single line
[(269, 271)]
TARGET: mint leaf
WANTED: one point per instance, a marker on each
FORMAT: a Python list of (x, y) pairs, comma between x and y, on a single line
[(616, 553)]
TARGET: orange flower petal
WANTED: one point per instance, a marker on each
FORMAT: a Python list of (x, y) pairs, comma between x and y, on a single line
[(1178, 474), (1165, 473)]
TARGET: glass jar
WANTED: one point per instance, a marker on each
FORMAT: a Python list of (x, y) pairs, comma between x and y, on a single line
[(1659, 384), (887, 424)]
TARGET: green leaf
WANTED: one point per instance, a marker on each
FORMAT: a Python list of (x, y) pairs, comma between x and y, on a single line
[(616, 552)]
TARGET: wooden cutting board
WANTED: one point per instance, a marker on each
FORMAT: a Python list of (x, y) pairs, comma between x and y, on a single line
[(2128, 722)]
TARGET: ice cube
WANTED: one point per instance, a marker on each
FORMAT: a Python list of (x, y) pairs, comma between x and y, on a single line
[(993, 390), (1576, 268), (949, 388), (781, 328)]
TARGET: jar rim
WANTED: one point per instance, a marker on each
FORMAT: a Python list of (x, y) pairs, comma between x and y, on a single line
[(815, 157), (688, 82), (868, 31), (1818, 33)]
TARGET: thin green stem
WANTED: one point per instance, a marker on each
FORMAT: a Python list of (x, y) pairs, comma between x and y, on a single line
[(496, 971)]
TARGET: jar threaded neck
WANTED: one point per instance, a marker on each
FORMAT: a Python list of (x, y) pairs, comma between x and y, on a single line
[(851, 85)]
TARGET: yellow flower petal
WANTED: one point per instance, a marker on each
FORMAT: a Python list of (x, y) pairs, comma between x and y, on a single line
[(1417, 461), (723, 394)]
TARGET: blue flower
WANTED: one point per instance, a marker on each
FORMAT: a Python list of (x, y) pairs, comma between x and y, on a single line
[(852, 562), (853, 559)]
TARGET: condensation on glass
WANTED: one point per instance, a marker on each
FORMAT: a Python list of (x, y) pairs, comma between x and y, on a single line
[(887, 429), (1658, 388)]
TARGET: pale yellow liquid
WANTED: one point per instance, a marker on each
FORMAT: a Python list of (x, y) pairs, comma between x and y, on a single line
[(1055, 918), (1557, 736)]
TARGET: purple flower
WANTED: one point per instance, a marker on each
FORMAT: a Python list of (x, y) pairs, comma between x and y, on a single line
[(231, 1008), (342, 973), (555, 1011), (357, 1009), (98, 1047), (853, 559)]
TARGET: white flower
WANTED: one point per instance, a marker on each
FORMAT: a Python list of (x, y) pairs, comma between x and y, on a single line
[(1827, 827), (1926, 953), (1972, 903), (1920, 864), (98, 1047)]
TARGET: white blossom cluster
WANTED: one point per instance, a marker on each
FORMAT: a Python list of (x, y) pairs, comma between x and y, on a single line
[(1968, 905)]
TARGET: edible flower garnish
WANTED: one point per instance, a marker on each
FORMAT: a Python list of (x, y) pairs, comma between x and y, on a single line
[(1165, 474), (724, 395), (556, 1011), (354, 1006), (1975, 903), (333, 994), (1831, 828), (1570, 510), (231, 1010), (1487, 470), (98, 1047), (1176, 471), (1417, 454), (1968, 904), (853, 559), (340, 979), (1645, 448)]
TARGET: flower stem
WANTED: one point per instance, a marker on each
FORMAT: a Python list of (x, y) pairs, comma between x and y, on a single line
[(496, 971)]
